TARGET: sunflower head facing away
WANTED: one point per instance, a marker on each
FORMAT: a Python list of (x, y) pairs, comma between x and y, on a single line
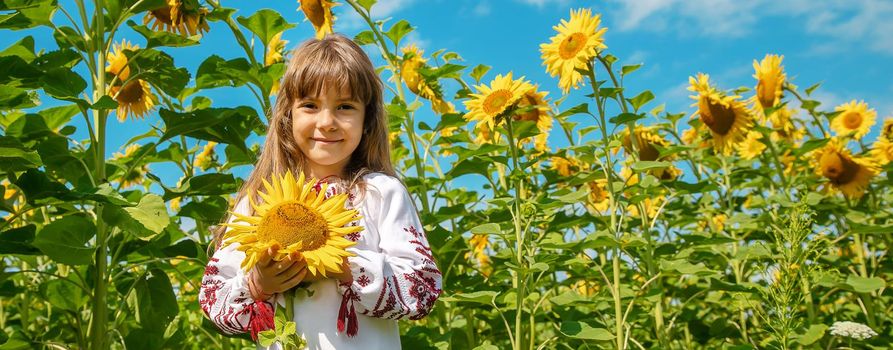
[(725, 116), (855, 117), (413, 60), (576, 43), (319, 13), (539, 112), (492, 101), (887, 129), (851, 175), (295, 218), (117, 60), (770, 79), (176, 17)]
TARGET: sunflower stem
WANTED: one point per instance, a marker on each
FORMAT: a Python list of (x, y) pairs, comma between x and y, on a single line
[(520, 278)]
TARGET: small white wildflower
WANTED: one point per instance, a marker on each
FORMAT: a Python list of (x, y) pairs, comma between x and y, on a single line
[(852, 330)]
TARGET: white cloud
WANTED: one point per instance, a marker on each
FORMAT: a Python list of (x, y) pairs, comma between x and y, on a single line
[(481, 9), (842, 22), (350, 20), (543, 3)]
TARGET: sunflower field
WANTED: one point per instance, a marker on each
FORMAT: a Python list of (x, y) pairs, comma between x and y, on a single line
[(758, 218)]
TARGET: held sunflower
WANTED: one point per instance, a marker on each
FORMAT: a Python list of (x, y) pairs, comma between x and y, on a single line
[(851, 175), (319, 13), (492, 101), (576, 43), (725, 116), (294, 217), (855, 117)]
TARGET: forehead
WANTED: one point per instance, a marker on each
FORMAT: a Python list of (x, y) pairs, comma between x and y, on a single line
[(329, 90)]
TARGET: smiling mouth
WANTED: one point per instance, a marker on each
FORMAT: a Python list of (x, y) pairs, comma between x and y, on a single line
[(325, 140)]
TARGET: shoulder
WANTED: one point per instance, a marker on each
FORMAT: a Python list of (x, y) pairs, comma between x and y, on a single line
[(384, 183)]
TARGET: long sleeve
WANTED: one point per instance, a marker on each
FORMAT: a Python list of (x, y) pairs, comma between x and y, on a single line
[(224, 295), (399, 279)]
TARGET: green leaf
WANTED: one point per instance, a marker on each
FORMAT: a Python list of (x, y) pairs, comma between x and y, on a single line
[(478, 72), (812, 334), (482, 297), (29, 13), (225, 125), (365, 37), (265, 23), (812, 88), (151, 213), (865, 284), (14, 158), (624, 118), (810, 105), (217, 72), (871, 229), (19, 241), (574, 197), (644, 165), (64, 294), (57, 117), (156, 301), (486, 229), (367, 4), (641, 99), (105, 102), (162, 38), (62, 83), (578, 109), (398, 31), (65, 240), (810, 145), (23, 49), (207, 184), (629, 68), (158, 68), (580, 330)]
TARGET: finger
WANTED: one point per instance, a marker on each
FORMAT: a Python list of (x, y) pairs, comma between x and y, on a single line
[(289, 268), (263, 259), (291, 282)]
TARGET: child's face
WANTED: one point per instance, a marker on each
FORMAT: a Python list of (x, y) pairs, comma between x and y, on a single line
[(328, 128)]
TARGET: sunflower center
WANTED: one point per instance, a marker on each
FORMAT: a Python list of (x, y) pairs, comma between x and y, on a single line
[(840, 170), (130, 93), (571, 45), (719, 117), (496, 101), (291, 222), (315, 12), (163, 15), (852, 120)]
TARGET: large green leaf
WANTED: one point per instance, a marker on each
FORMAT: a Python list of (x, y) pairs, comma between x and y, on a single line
[(865, 284), (224, 125), (217, 72), (66, 240), (156, 301), (150, 213), (19, 241), (62, 83), (15, 157), (28, 13), (158, 68), (156, 38), (582, 330), (207, 185), (265, 23), (64, 294)]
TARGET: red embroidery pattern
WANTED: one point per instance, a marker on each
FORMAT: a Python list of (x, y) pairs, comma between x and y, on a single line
[(241, 314)]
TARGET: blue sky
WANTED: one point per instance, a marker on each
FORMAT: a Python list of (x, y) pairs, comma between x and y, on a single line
[(846, 45)]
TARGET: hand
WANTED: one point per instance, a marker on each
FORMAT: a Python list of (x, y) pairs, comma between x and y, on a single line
[(268, 276)]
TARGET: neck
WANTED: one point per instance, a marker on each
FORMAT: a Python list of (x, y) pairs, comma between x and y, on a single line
[(324, 171)]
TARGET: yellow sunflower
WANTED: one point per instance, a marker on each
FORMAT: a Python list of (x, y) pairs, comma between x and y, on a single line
[(783, 123), (725, 116), (134, 99), (855, 117), (565, 166), (319, 13), (541, 114), (136, 175), (751, 147), (491, 101), (882, 151), (176, 18), (295, 218), (117, 60), (205, 159), (576, 43), (887, 129), (413, 59), (479, 244), (851, 175), (647, 142), (770, 79), (8, 192), (275, 50), (599, 197)]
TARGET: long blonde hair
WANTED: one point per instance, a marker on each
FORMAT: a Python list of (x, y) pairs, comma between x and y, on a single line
[(314, 66)]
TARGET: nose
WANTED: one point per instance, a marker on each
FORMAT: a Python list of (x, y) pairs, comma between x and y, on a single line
[(325, 120)]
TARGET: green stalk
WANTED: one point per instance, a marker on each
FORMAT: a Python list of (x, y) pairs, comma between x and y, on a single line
[(99, 321), (519, 276), (866, 297)]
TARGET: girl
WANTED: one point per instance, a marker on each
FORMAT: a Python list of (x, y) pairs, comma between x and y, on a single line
[(329, 122)]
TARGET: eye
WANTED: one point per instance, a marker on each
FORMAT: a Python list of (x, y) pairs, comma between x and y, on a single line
[(309, 105), (346, 106)]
